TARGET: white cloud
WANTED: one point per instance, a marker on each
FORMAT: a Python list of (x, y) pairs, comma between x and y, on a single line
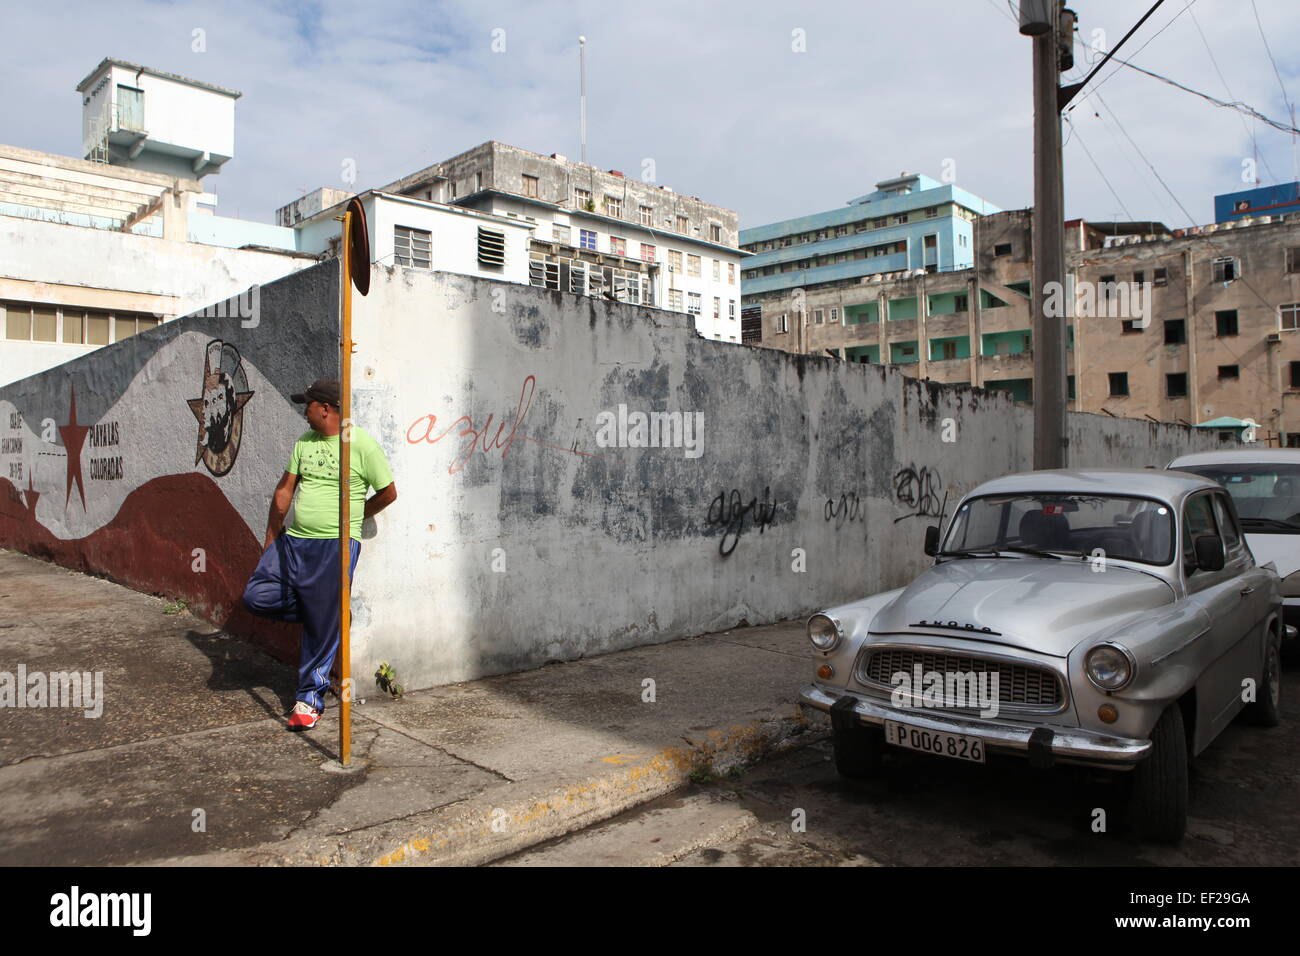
[(712, 92)]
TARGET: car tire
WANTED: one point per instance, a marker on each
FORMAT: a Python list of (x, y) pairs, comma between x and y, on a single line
[(858, 751), (1158, 799), (1265, 710)]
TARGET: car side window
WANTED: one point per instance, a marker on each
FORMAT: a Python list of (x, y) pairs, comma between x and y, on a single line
[(1198, 519), (1232, 544)]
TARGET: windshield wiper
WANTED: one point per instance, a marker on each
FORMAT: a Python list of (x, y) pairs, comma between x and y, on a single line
[(1034, 551), (968, 554), (1271, 523)]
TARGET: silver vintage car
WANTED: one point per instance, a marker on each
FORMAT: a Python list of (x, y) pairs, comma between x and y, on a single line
[(1111, 618)]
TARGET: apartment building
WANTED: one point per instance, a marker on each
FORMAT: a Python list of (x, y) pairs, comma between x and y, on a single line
[(1213, 336), (599, 232), (910, 223)]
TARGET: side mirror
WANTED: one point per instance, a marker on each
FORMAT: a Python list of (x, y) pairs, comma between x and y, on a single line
[(1209, 552), (932, 540)]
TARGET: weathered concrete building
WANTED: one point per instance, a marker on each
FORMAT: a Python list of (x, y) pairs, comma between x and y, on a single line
[(1194, 325), (600, 233)]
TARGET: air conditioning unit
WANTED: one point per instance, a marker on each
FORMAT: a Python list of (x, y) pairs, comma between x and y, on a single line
[(1274, 337)]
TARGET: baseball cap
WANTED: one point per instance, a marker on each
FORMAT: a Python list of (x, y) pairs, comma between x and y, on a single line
[(322, 390)]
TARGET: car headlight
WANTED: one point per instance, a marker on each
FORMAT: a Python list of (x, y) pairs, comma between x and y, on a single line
[(823, 632), (1109, 666), (1291, 585)]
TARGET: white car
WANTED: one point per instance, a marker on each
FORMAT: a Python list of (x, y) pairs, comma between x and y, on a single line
[(1108, 618), (1265, 487)]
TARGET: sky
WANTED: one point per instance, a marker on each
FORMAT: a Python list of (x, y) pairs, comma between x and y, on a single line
[(775, 109)]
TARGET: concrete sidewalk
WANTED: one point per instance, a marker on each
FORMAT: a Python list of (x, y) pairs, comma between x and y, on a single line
[(190, 762)]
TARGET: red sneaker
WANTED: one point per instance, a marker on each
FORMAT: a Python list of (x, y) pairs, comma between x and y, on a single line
[(303, 717)]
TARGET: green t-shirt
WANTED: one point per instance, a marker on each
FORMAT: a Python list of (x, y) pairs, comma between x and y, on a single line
[(315, 460)]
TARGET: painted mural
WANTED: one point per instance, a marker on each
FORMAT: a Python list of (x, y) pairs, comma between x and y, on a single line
[(152, 461)]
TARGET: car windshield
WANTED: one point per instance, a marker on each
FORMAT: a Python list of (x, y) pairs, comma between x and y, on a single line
[(1111, 526), (1267, 495)]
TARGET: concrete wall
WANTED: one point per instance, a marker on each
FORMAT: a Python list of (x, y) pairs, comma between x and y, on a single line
[(155, 495), (519, 538), (525, 530)]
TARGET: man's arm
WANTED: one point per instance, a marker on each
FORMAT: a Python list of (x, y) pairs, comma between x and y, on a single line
[(280, 501), (381, 500)]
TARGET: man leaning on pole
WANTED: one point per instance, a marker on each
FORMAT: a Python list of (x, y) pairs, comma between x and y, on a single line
[(298, 579)]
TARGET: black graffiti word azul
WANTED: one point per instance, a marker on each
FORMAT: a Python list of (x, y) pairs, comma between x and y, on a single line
[(730, 510), (916, 489), (845, 509)]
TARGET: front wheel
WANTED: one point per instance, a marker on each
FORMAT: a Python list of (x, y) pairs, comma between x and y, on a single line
[(1158, 801), (1265, 709)]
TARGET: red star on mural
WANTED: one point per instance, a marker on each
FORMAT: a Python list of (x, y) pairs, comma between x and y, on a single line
[(30, 497), (74, 436)]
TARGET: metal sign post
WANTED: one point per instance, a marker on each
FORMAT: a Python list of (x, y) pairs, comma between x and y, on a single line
[(355, 271)]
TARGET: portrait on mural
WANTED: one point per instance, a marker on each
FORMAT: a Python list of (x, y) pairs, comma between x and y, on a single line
[(220, 409)]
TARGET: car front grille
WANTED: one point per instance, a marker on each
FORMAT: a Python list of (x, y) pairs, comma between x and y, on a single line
[(1019, 685)]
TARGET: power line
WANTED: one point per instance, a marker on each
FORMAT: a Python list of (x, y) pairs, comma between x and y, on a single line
[(1079, 137), (1239, 106), (1148, 43), (1295, 156), (1285, 99), (1145, 179), (1249, 131), (1154, 172)]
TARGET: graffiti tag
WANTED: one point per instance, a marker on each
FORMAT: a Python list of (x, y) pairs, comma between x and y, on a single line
[(916, 489), (847, 508), (730, 511)]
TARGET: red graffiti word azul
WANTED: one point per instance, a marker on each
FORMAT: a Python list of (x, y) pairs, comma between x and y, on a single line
[(423, 429)]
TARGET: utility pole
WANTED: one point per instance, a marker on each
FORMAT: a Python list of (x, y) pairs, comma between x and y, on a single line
[(1043, 21)]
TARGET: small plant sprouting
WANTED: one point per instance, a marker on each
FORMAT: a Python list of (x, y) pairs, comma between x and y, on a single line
[(175, 607), (386, 678)]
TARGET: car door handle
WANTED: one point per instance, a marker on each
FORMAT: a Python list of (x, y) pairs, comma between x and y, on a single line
[(1247, 590)]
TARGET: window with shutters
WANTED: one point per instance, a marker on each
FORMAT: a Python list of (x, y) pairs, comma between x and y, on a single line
[(544, 274), (491, 247), (530, 186), (715, 232), (1226, 269), (578, 278), (683, 224), (412, 247)]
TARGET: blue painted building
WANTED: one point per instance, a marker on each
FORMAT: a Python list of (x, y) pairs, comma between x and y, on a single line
[(1261, 201), (908, 223)]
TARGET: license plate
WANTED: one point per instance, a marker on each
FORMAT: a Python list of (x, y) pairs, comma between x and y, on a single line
[(937, 742)]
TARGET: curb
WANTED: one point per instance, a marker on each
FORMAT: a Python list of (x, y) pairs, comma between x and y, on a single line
[(516, 816)]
